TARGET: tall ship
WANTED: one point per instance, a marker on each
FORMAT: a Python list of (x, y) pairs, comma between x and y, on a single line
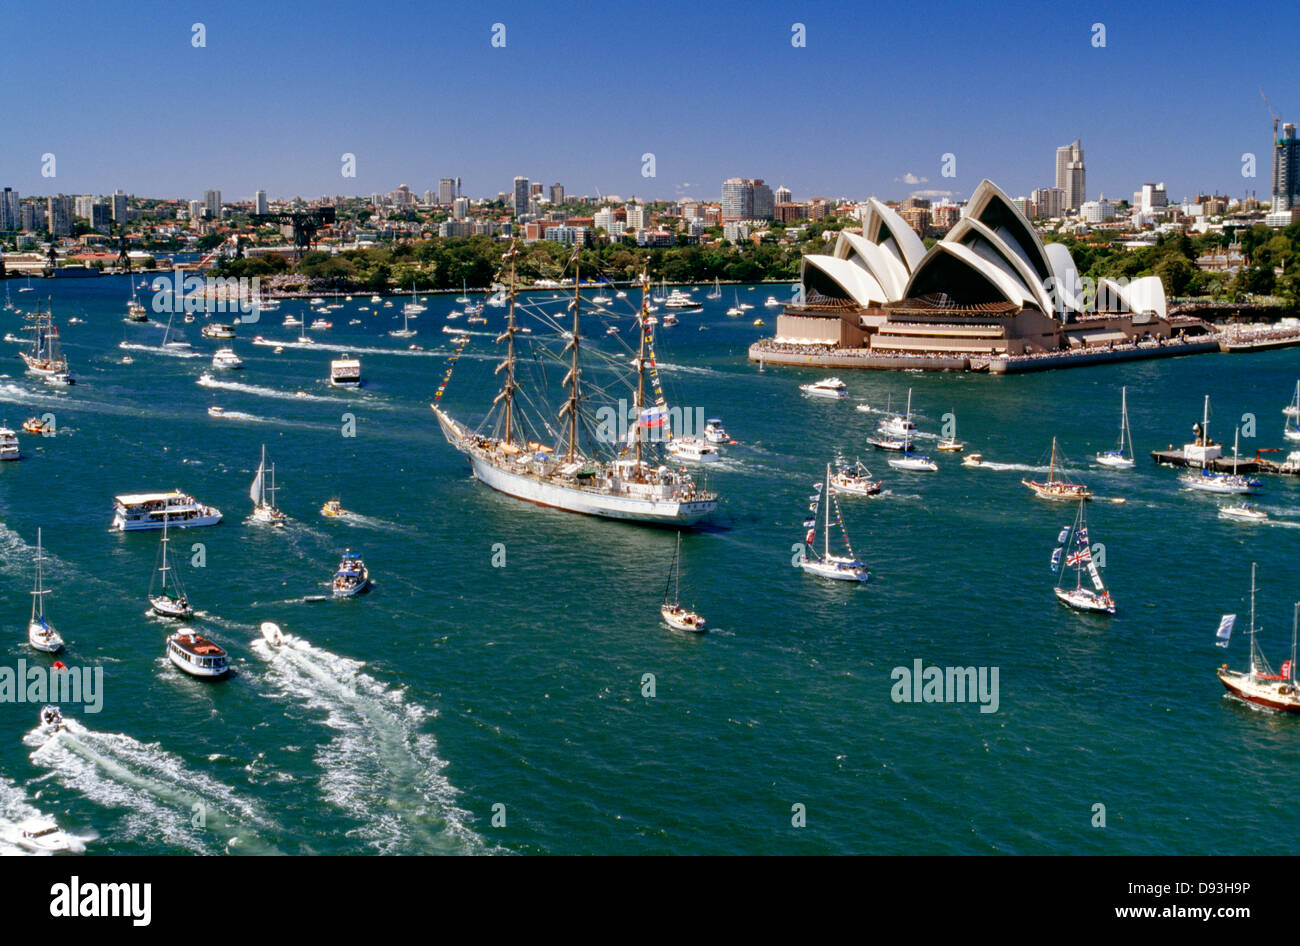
[(626, 479), (46, 359)]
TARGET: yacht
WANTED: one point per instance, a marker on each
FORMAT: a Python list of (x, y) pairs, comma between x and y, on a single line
[(41, 836), (135, 511), (675, 615), (263, 495), (9, 445), (316, 300), (321, 325), (352, 577), (855, 481), (345, 373), (714, 432), (171, 600), (1057, 488), (1206, 450), (827, 387), (292, 321), (771, 302), (679, 300), (692, 450), (217, 330), (197, 656), (826, 564), (376, 300), (1245, 512), (227, 359), (913, 463)]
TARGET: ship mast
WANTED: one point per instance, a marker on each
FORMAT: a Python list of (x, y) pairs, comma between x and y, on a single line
[(1252, 619), (571, 379), (508, 390), (640, 364)]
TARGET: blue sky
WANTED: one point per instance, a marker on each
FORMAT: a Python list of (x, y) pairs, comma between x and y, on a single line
[(580, 91)]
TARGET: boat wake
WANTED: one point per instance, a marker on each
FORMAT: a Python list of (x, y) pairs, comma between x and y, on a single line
[(163, 799), (241, 415), (156, 350), (380, 767), (1010, 467), (209, 382), (346, 349)]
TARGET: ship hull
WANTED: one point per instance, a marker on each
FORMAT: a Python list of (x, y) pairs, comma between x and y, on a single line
[(1259, 694)]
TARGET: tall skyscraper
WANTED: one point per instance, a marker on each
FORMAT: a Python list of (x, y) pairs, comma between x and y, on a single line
[(1286, 170), (747, 199), (460, 208), (10, 213), (259, 202), (212, 204), (521, 196), (1048, 202), (783, 195), (557, 193), (119, 207), (446, 191), (1070, 176), (59, 213)]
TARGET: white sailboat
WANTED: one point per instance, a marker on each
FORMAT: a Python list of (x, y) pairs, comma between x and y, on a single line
[(736, 309), (952, 444), (913, 463), (1205, 480), (1118, 458), (1291, 429), (462, 298), (405, 331), (900, 426), (40, 633), (674, 615), (170, 343), (173, 604), (827, 565), (413, 307), (1259, 684), (717, 290), (263, 495), (1074, 550)]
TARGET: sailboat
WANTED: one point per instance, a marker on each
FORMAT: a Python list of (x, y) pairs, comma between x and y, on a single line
[(9, 303), (674, 615), (263, 495), (1074, 545), (173, 604), (900, 426), (1117, 458), (826, 565), (135, 311), (46, 358), (170, 343), (1291, 429), (1056, 488), (1206, 480), (952, 444), (736, 309), (39, 632), (405, 331), (1260, 685), (634, 485), (462, 298), (414, 308), (717, 290)]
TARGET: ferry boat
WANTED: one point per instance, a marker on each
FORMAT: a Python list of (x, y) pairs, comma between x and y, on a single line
[(826, 387), (173, 604), (263, 495), (226, 358), (40, 633), (135, 310), (345, 373), (1074, 550), (637, 488), (855, 480), (197, 656), (1259, 685), (674, 615), (1055, 488), (692, 450), (826, 564), (9, 445), (217, 330), (136, 511), (41, 836), (352, 577)]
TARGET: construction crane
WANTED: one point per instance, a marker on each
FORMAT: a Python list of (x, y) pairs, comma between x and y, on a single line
[(305, 224), (1276, 118)]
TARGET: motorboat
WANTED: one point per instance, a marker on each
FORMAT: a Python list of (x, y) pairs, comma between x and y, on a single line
[(714, 432), (692, 450), (41, 836), (9, 449), (1244, 512), (333, 509), (217, 330), (973, 460), (352, 576), (271, 633), (827, 387), (855, 481), (226, 359), (197, 656)]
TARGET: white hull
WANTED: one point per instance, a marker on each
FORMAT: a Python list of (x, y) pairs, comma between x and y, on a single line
[(210, 518), (1215, 484), (272, 634), (682, 620), (169, 608), (915, 465), (1081, 599), (590, 502), (837, 571), (1114, 461), (45, 639), (176, 656)]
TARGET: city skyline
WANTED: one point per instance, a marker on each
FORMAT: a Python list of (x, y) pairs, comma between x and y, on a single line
[(255, 114)]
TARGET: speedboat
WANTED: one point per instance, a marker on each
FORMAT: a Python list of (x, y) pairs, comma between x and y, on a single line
[(1245, 512), (827, 387), (41, 836), (272, 634), (51, 718), (771, 302), (197, 656), (215, 411), (227, 359), (914, 463), (973, 460), (352, 576), (321, 325), (692, 450)]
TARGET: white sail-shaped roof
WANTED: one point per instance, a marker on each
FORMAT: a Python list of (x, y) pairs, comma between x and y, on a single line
[(991, 207), (856, 283), (964, 276), (1068, 287), (992, 247), (884, 227), (1143, 295), (884, 266)]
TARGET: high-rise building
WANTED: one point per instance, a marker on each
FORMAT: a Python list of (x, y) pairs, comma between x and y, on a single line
[(557, 193), (783, 195), (119, 207), (83, 205), (747, 199), (521, 196), (1150, 198), (536, 189), (100, 216), (10, 213), (259, 202), (635, 216), (1048, 202), (1070, 176), (196, 209), (33, 217), (460, 208), (446, 191), (212, 204), (59, 212), (1286, 170)]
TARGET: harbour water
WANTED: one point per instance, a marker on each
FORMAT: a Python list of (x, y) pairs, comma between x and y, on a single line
[(463, 692)]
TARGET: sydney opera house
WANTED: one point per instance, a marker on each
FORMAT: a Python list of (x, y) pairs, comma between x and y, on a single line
[(989, 289)]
